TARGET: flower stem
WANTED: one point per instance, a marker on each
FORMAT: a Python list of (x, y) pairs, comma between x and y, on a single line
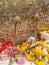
[(10, 63), (31, 63)]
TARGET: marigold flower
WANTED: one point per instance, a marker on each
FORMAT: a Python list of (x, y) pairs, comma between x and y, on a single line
[(39, 62), (47, 55), (29, 57), (48, 49), (41, 43), (37, 51), (18, 47), (24, 46)]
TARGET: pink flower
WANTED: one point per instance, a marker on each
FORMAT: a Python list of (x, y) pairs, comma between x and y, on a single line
[(16, 50), (9, 53), (20, 60), (3, 57), (45, 35), (31, 40)]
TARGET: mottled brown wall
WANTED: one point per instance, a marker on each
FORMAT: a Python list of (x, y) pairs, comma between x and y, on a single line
[(23, 30)]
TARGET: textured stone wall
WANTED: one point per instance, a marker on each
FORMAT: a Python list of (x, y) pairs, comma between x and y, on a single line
[(23, 30)]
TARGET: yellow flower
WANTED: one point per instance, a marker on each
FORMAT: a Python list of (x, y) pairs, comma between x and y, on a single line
[(24, 46), (18, 47), (44, 31), (48, 49), (37, 51), (48, 57), (48, 31), (39, 62), (41, 32), (41, 43), (29, 57)]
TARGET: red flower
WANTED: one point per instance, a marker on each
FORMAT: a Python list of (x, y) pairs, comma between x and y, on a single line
[(2, 47), (9, 43)]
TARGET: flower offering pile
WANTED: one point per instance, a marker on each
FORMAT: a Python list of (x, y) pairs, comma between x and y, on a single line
[(37, 53)]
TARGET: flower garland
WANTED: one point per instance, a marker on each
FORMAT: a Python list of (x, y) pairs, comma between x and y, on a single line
[(26, 51)]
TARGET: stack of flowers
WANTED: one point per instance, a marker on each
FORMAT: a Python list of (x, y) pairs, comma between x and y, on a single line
[(39, 53), (27, 51)]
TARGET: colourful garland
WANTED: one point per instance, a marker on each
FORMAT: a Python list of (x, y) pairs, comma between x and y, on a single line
[(26, 51)]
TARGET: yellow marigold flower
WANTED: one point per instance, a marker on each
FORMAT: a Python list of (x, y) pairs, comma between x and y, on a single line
[(41, 43), (41, 32), (45, 31), (30, 57), (48, 49), (18, 47), (47, 56), (37, 51), (48, 31), (24, 46), (39, 62)]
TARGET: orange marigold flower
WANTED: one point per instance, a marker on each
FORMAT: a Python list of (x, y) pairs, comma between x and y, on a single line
[(29, 57), (47, 56), (37, 51), (41, 43), (18, 47), (24, 46)]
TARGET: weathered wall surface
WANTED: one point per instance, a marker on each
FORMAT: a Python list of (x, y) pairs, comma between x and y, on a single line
[(23, 30)]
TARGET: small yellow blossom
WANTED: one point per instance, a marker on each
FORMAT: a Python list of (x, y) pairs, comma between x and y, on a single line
[(18, 47), (24, 46), (37, 51), (48, 49), (41, 43), (48, 57), (39, 62), (29, 57), (44, 31)]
